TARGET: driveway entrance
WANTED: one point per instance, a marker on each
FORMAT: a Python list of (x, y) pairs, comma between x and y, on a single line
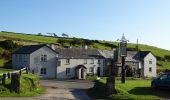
[(66, 89)]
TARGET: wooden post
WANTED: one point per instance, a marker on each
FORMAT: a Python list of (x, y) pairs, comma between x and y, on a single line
[(9, 75), (20, 72), (3, 79), (15, 82), (111, 80), (123, 70), (26, 70)]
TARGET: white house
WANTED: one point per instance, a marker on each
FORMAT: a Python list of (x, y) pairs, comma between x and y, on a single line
[(139, 63), (40, 59), (76, 62), (67, 63), (59, 63)]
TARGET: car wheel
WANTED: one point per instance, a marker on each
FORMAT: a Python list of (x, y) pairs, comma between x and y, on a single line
[(153, 85)]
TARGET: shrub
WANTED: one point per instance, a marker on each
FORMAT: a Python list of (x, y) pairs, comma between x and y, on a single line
[(167, 57)]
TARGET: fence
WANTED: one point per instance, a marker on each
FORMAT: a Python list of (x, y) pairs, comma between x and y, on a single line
[(7, 75)]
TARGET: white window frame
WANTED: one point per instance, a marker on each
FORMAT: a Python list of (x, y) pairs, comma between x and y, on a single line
[(43, 58), (43, 71), (150, 61), (85, 61), (92, 61), (91, 69), (67, 61), (150, 69), (68, 71)]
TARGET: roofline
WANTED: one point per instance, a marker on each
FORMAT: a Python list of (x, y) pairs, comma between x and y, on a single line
[(38, 49)]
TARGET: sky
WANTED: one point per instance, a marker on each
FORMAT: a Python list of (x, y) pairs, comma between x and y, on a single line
[(145, 20)]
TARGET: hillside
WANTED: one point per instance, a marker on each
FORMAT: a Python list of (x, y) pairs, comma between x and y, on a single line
[(28, 39), (99, 44)]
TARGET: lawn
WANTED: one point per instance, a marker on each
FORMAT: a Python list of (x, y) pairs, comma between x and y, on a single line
[(139, 89), (131, 90)]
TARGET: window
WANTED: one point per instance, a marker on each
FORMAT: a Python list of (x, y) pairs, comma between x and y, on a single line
[(150, 69), (85, 61), (67, 61), (91, 69), (59, 63), (150, 62), (43, 58), (67, 71), (43, 71), (99, 61), (92, 61)]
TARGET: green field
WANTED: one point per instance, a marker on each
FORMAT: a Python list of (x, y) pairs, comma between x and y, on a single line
[(132, 90)]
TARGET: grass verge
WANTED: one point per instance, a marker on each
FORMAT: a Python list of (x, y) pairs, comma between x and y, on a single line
[(29, 87), (131, 90)]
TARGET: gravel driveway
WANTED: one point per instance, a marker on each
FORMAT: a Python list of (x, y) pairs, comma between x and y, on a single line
[(66, 89), (61, 90)]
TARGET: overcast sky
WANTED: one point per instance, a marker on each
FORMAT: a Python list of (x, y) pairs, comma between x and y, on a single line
[(147, 20)]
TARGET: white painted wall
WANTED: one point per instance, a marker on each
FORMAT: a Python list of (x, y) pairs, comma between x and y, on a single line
[(147, 73), (61, 70), (50, 65)]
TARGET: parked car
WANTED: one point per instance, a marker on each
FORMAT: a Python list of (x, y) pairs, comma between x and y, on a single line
[(162, 81)]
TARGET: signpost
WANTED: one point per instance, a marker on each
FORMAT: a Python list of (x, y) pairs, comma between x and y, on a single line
[(123, 54)]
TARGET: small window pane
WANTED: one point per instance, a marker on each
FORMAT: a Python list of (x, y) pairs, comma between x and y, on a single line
[(150, 69)]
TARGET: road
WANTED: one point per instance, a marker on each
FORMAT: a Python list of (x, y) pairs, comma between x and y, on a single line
[(61, 90)]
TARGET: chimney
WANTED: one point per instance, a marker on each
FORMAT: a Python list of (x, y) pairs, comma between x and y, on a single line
[(52, 46), (85, 46)]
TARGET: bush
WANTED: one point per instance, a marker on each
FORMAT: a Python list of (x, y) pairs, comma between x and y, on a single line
[(91, 77), (167, 57), (8, 44)]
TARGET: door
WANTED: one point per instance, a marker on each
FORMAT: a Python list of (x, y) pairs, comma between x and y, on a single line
[(82, 73), (98, 71)]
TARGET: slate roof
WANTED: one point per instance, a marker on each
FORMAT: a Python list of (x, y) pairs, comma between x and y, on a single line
[(132, 56), (29, 49), (135, 56), (143, 54), (107, 53), (78, 53)]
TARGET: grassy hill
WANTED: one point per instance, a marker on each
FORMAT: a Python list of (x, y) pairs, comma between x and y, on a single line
[(27, 39)]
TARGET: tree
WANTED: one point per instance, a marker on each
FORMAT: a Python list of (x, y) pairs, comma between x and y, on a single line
[(40, 34), (65, 35), (55, 35)]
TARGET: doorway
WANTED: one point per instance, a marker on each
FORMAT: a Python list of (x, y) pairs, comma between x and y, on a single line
[(82, 74)]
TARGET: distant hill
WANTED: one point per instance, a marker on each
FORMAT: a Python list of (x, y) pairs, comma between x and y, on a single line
[(98, 44)]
